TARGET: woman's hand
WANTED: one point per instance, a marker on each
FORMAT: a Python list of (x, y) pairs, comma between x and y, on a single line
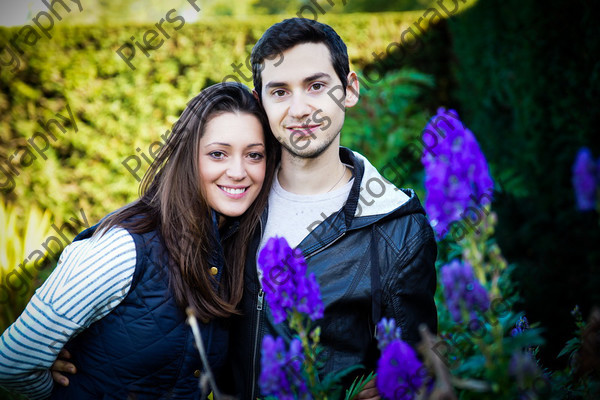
[(369, 392), (61, 366)]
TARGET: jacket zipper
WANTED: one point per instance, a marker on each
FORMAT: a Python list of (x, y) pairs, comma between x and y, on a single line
[(259, 307), (324, 247)]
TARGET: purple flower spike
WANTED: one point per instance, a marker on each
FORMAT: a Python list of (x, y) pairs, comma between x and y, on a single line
[(462, 289), (281, 371), (523, 366), (272, 377), (399, 372), (386, 332), (285, 282), (585, 179), (521, 326), (456, 172)]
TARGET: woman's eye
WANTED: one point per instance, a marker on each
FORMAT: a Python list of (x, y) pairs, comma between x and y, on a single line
[(216, 154), (317, 86), (279, 93), (256, 156)]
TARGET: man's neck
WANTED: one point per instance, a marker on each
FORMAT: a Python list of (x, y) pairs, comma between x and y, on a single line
[(308, 176)]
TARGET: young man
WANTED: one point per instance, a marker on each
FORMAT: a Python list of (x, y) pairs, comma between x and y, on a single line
[(369, 243)]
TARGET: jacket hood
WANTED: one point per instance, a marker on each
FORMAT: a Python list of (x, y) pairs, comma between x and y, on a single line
[(373, 197)]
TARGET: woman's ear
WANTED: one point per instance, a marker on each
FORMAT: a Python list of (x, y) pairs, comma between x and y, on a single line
[(352, 90)]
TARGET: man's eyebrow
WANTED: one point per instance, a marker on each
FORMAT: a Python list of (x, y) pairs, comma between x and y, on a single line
[(318, 75), (275, 84)]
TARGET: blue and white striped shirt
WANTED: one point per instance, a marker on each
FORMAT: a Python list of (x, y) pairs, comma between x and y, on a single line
[(92, 277)]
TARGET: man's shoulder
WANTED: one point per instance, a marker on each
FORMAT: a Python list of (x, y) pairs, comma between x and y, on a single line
[(406, 225)]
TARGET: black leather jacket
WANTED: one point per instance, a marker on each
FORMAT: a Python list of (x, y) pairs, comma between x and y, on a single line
[(373, 258)]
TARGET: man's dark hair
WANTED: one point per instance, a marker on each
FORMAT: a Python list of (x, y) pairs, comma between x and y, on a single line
[(291, 32)]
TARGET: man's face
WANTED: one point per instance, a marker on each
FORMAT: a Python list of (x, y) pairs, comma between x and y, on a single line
[(304, 118)]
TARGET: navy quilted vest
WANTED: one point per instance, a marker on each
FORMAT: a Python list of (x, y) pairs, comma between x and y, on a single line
[(143, 349)]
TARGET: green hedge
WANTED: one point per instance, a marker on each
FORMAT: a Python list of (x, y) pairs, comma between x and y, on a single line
[(528, 76), (118, 110)]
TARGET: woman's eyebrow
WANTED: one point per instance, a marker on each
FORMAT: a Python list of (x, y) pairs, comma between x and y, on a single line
[(228, 145), (217, 144)]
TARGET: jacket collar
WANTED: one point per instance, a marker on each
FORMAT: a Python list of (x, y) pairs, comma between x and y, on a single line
[(372, 193), (372, 198)]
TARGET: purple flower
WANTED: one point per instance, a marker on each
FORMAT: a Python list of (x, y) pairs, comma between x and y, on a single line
[(456, 172), (285, 282), (584, 179), (281, 371), (523, 366), (386, 332), (399, 372), (462, 289), (521, 326)]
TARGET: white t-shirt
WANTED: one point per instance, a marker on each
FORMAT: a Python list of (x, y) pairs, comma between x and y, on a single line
[(294, 216)]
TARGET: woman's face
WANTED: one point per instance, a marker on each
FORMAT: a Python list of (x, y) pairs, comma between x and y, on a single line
[(232, 162)]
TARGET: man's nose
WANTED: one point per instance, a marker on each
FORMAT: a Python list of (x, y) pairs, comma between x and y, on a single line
[(299, 107)]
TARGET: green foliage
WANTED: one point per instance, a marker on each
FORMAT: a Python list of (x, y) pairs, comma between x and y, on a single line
[(338, 6), (278, 6), (123, 11), (482, 350), (147, 11), (530, 91), (358, 385), (385, 5), (487, 358), (18, 274), (387, 120), (581, 379), (118, 12)]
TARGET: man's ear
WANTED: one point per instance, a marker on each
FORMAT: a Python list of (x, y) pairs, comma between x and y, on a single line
[(256, 96), (352, 90)]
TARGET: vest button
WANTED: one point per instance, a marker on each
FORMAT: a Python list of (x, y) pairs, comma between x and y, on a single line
[(213, 270), (197, 373)]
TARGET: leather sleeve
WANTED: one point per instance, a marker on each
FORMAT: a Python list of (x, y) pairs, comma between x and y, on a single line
[(409, 293)]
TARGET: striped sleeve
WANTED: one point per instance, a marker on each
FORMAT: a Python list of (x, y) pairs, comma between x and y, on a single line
[(92, 277)]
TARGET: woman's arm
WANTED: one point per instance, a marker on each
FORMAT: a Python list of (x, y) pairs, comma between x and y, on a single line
[(92, 277)]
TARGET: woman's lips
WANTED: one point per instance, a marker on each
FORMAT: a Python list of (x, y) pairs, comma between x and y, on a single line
[(234, 192)]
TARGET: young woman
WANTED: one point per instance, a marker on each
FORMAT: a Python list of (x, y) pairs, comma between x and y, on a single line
[(118, 295)]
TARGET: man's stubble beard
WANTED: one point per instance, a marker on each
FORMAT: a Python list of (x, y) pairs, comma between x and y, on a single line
[(297, 152)]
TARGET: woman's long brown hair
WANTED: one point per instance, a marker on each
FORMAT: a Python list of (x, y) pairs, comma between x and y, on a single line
[(173, 203)]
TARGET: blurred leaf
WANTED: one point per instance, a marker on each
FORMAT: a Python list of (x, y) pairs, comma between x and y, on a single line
[(19, 267)]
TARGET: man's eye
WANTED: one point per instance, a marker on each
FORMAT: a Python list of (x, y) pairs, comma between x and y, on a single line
[(216, 154), (317, 86), (279, 93)]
